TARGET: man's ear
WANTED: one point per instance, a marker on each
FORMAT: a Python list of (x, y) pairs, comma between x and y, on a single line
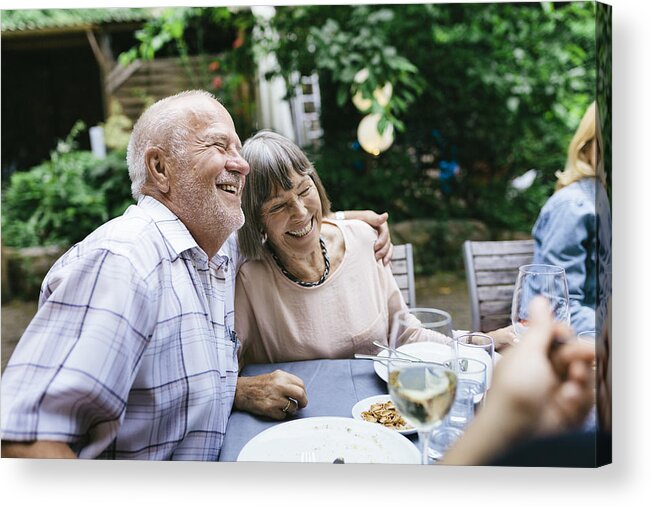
[(157, 169)]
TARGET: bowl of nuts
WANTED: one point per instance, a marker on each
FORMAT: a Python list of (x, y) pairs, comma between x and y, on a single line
[(381, 410)]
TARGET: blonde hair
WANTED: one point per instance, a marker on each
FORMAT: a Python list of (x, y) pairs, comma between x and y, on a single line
[(578, 165)]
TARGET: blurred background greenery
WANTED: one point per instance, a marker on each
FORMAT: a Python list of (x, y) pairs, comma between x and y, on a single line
[(482, 93)]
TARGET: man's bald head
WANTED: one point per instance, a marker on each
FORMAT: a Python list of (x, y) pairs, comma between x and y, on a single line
[(166, 124)]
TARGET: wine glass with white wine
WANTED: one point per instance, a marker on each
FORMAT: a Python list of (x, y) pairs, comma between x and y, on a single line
[(422, 391)]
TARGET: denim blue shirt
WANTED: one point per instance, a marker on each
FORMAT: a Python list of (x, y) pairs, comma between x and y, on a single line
[(570, 233)]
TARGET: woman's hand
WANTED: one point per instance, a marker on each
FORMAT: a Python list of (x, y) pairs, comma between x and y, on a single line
[(503, 337), (269, 394)]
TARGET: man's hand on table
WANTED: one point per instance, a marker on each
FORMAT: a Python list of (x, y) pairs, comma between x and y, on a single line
[(269, 394), (42, 449)]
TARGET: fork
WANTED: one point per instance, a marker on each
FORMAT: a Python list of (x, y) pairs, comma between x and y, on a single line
[(463, 363), (308, 457), (395, 351)]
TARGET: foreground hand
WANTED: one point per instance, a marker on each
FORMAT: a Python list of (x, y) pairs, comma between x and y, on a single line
[(269, 394), (539, 388), (546, 389), (383, 247)]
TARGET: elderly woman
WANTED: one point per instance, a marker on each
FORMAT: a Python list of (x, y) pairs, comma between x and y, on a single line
[(573, 229), (311, 287)]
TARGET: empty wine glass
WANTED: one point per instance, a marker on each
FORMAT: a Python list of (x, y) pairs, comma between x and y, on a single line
[(420, 325), (422, 391), (539, 280)]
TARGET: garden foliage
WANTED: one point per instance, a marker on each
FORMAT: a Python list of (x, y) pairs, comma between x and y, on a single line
[(505, 87), (481, 94), (63, 199)]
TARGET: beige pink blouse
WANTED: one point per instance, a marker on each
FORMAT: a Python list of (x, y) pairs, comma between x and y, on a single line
[(277, 320)]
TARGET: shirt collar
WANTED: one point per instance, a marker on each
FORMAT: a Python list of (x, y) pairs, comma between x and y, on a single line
[(176, 234)]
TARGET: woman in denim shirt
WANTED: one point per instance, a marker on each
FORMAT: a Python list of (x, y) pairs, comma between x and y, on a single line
[(573, 229)]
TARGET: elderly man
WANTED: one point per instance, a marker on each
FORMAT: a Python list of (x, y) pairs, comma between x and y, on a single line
[(131, 354)]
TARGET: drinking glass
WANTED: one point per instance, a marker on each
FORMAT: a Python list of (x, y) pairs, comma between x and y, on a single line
[(420, 325), (471, 387), (478, 346), (539, 280), (422, 391)]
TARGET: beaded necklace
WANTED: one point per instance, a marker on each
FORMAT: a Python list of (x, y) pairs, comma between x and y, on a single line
[(294, 279)]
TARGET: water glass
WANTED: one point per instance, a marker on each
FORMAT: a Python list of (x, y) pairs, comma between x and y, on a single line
[(478, 346), (471, 388)]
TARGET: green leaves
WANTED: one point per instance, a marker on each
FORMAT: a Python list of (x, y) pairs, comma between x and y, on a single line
[(341, 42), (63, 199), (496, 88)]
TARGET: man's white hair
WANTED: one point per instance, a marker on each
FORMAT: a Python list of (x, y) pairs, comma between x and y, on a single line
[(162, 124)]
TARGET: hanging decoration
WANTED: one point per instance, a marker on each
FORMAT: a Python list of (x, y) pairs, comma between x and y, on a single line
[(369, 136)]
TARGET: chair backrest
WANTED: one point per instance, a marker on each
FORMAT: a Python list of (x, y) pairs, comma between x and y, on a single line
[(402, 266), (491, 272)]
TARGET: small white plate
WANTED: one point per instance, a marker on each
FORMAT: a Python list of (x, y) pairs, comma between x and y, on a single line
[(365, 404), (328, 438)]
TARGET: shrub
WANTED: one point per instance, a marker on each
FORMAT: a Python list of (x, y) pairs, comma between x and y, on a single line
[(62, 200)]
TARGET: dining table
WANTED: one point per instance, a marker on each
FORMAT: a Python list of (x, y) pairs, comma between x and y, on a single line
[(333, 387)]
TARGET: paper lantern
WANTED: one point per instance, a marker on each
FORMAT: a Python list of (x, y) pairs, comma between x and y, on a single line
[(370, 138)]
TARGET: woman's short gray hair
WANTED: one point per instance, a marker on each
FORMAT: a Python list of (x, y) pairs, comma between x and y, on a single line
[(160, 125), (272, 159)]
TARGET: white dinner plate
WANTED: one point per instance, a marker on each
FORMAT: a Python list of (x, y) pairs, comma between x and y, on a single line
[(365, 404), (329, 438), (427, 351), (437, 352)]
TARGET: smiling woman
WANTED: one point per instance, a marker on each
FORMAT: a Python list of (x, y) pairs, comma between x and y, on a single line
[(311, 287)]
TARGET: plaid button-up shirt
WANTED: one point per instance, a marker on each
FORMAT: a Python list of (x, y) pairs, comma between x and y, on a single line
[(131, 354)]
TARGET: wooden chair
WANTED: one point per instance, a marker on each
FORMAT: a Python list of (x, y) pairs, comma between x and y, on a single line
[(491, 272), (402, 266)]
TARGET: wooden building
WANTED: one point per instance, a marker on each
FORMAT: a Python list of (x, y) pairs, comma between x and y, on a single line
[(60, 66)]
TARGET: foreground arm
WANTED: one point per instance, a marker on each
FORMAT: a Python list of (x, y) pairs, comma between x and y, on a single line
[(40, 449), (268, 394), (71, 372), (383, 247), (538, 389)]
